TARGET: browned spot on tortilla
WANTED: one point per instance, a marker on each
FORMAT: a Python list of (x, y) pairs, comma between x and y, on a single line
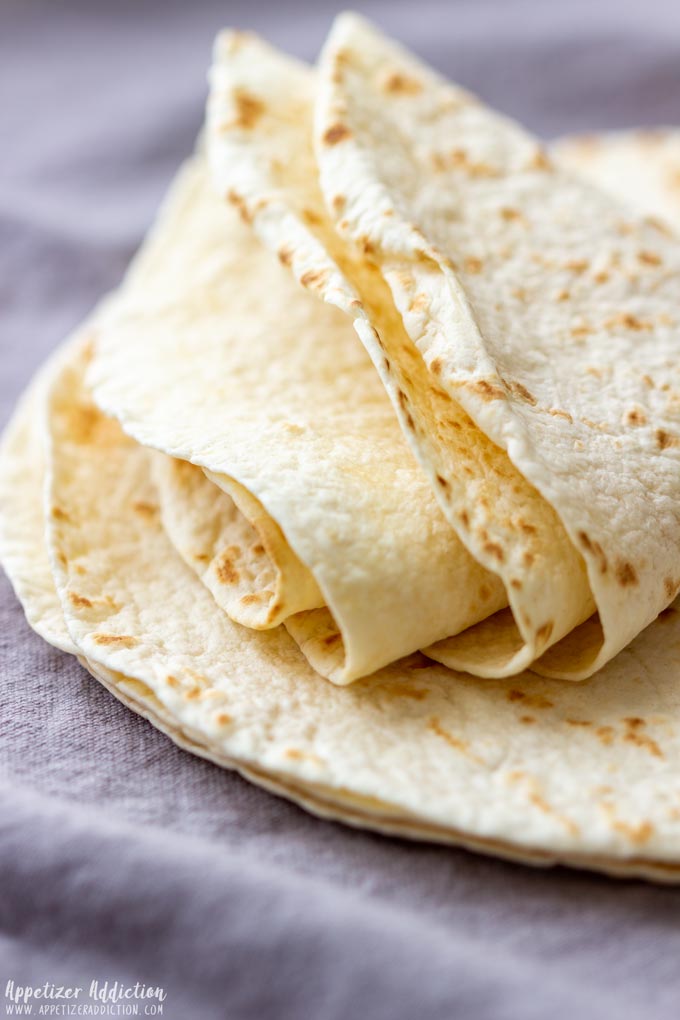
[(601, 277), (528, 559), (595, 549), (312, 216), (172, 681), (576, 265), (145, 509), (442, 481), (192, 694), (519, 390), (626, 574), (635, 416), (495, 550), (563, 295), (578, 722), (240, 205), (544, 631), (201, 557), (62, 558), (649, 258), (485, 592), (557, 413), (338, 202), (402, 84), (436, 727), (258, 549), (657, 224), (222, 718), (472, 264), (79, 601), (580, 331), (336, 133), (664, 439), (510, 215), (487, 390), (516, 584), (436, 366), (285, 255), (526, 528), (605, 735), (60, 515), (459, 159), (540, 161), (464, 518), (331, 639), (314, 278), (251, 598), (249, 108), (527, 720), (638, 834), (634, 724), (122, 640), (528, 699), (671, 587), (224, 568), (628, 321), (366, 245)]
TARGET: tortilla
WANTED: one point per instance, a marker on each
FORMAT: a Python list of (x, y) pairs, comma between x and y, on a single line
[(214, 356), (253, 164), (529, 768), (642, 168), (547, 312)]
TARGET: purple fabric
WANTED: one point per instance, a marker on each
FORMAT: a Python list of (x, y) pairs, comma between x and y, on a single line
[(124, 858)]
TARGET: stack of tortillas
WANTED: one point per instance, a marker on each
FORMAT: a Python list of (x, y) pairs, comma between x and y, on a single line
[(374, 454)]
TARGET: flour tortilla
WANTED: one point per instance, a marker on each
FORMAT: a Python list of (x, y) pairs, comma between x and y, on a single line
[(264, 163), (642, 168), (546, 310), (526, 768), (214, 356)]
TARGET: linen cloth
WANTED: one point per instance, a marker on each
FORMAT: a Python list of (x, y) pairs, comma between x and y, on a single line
[(122, 858)]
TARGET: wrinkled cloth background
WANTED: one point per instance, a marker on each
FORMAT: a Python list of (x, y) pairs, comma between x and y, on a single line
[(122, 858)]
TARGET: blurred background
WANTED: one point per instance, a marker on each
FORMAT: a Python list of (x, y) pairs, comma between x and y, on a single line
[(101, 100)]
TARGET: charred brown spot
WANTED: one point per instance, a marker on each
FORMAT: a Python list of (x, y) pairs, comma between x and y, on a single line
[(464, 518), (472, 264), (120, 640), (540, 161), (60, 515), (249, 108), (145, 509), (402, 84), (487, 390), (605, 735), (516, 584), (250, 599), (222, 718), (635, 416), (527, 720), (285, 255), (79, 601), (664, 439), (338, 203), (331, 639), (240, 205), (495, 550), (519, 390), (311, 216), (578, 722), (626, 574), (172, 681), (671, 587), (442, 481), (258, 549), (628, 321), (511, 215), (336, 133), (225, 569), (649, 258), (601, 277), (576, 265), (314, 278), (436, 366)]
